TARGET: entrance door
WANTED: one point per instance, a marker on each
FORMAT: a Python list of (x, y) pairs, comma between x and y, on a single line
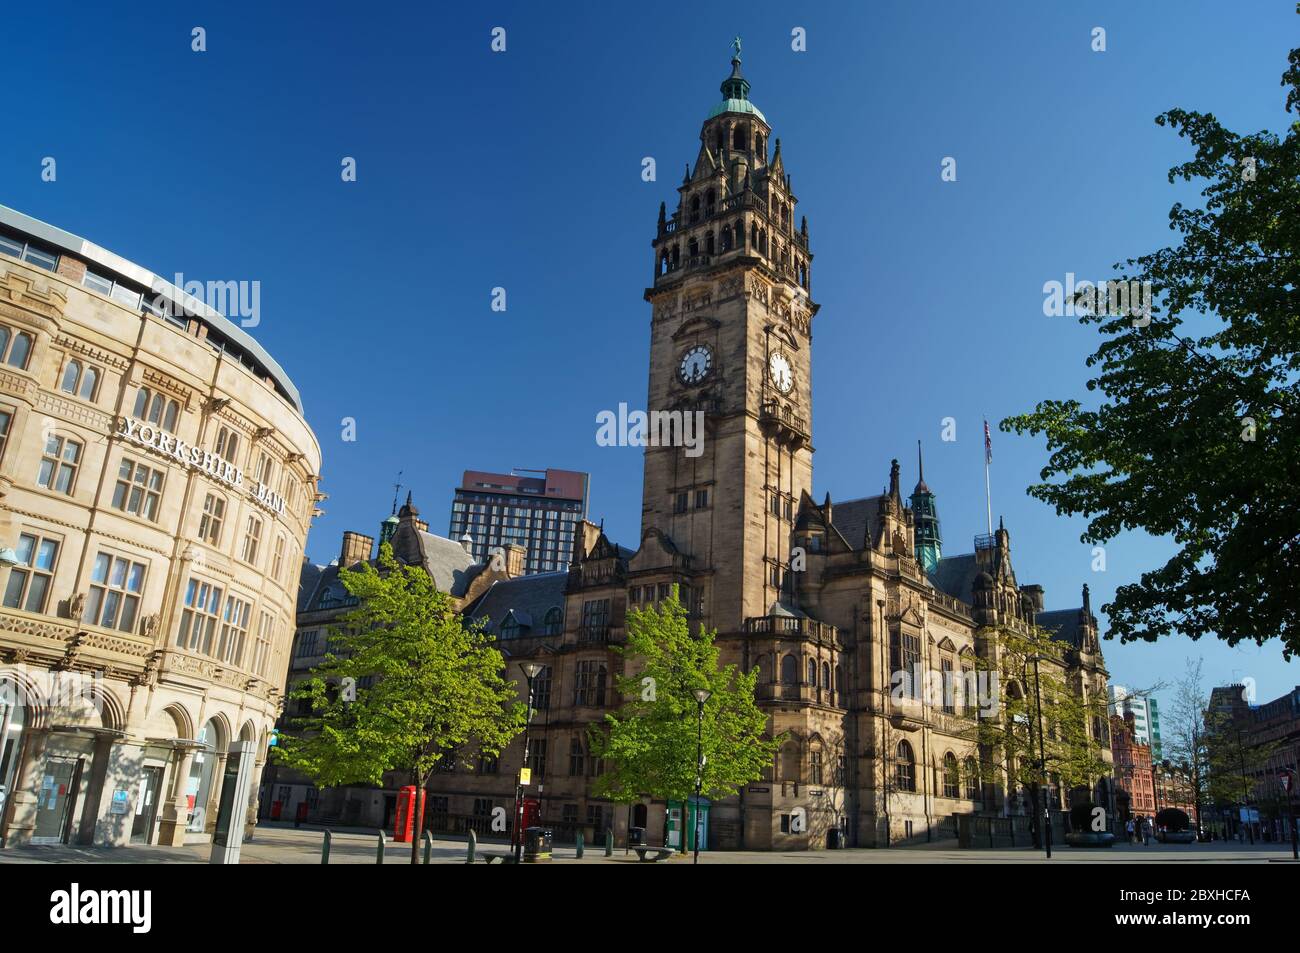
[(57, 794), (146, 805)]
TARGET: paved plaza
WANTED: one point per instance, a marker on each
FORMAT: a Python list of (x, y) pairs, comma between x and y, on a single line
[(287, 845)]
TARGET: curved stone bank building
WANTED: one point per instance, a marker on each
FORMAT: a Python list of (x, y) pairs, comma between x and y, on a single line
[(157, 482)]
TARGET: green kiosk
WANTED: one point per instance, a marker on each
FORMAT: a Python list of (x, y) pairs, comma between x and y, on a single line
[(696, 813)]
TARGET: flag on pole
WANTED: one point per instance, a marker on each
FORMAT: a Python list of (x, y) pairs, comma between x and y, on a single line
[(988, 444)]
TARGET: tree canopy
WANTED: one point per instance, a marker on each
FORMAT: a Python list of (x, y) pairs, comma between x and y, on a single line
[(1196, 434)]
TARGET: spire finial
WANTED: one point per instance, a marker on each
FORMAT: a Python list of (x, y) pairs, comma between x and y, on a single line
[(920, 463), (735, 46)]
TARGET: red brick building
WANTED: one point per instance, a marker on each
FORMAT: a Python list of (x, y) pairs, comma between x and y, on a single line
[(1134, 780)]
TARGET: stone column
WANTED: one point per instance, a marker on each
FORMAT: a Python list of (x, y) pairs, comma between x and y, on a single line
[(254, 800), (21, 809), (171, 832), (211, 808), (95, 789)]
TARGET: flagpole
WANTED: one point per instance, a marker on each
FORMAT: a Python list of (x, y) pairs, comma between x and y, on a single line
[(988, 458), (988, 498)]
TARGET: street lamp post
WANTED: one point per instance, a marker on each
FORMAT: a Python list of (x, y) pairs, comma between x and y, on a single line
[(531, 669), (701, 696), (1042, 761)]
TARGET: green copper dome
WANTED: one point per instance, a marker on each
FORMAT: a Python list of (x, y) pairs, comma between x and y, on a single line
[(735, 91), (736, 106)]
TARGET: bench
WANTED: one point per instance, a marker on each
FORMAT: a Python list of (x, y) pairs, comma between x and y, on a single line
[(654, 854)]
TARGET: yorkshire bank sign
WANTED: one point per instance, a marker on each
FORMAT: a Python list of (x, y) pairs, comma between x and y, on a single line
[(196, 458)]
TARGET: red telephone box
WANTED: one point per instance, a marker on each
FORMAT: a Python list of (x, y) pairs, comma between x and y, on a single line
[(532, 808), (404, 826)]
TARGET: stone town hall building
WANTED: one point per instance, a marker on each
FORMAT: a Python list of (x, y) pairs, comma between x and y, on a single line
[(731, 315)]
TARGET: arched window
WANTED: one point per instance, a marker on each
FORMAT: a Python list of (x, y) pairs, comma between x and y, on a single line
[(789, 670), (726, 238), (758, 144), (89, 381), (826, 675), (740, 234), (753, 236), (971, 775), (692, 248), (663, 263), (20, 350), (708, 242), (71, 377), (740, 139), (156, 407), (812, 673), (695, 209), (790, 761), (553, 623), (173, 413), (951, 777), (710, 200), (904, 767), (227, 444), (815, 774), (762, 241)]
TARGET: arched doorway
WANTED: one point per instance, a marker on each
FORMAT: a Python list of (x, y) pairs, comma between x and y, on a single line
[(203, 772)]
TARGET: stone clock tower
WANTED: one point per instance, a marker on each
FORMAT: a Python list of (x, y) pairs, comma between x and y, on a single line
[(730, 340)]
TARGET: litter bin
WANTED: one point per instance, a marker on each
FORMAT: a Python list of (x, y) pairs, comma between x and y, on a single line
[(636, 837), (834, 838), (537, 845)]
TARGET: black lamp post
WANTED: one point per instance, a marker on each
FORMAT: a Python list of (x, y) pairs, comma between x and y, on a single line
[(531, 670), (701, 696), (1042, 761)]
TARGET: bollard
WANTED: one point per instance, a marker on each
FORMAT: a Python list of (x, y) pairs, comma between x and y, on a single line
[(428, 846), (379, 852), (473, 843), (579, 844), (609, 842), (325, 848)]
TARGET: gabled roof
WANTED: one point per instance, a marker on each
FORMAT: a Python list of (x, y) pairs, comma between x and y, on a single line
[(1064, 625), (528, 597), (447, 562), (852, 519), (955, 575)]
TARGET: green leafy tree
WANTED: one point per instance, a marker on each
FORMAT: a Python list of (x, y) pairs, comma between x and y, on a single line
[(404, 687), (1235, 763), (1196, 433), (1071, 747), (649, 746)]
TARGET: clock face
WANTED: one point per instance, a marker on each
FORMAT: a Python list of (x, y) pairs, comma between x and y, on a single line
[(696, 364), (782, 374)]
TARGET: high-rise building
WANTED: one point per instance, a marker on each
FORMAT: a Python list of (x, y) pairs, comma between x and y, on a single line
[(537, 509), (1146, 716)]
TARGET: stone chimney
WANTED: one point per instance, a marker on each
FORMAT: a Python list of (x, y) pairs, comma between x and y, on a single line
[(515, 556), (357, 548)]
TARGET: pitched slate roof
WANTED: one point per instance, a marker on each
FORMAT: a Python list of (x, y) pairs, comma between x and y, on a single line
[(1063, 624), (528, 597), (955, 575), (309, 583), (853, 518), (450, 566)]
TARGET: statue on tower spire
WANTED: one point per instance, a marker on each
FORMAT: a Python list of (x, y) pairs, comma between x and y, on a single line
[(735, 45)]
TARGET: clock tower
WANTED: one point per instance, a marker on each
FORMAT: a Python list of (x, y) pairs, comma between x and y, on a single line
[(731, 318)]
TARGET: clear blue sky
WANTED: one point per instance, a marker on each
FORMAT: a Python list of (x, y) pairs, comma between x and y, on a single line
[(522, 170)]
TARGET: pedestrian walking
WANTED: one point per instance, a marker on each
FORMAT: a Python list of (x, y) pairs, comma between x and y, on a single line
[(1146, 832), (1128, 830)]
